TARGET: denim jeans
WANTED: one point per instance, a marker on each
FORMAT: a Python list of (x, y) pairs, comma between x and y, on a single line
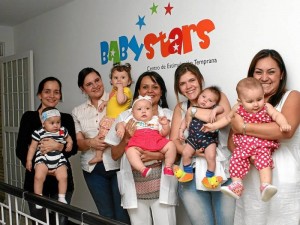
[(41, 213), (207, 207), (103, 186)]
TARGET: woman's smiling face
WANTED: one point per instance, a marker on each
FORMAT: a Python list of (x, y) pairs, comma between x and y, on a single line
[(150, 88), (50, 95), (269, 74), (189, 86)]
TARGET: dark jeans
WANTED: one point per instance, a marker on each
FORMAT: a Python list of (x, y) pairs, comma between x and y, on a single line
[(41, 213), (103, 186)]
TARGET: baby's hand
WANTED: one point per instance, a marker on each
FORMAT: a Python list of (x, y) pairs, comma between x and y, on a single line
[(102, 106), (121, 132), (212, 116), (181, 134), (119, 86), (208, 127), (69, 146), (29, 165), (285, 128), (163, 120)]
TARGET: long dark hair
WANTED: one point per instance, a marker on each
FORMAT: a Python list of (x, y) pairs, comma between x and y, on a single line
[(156, 78), (274, 99)]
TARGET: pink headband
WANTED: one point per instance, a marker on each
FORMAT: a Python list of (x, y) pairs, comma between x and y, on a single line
[(146, 97)]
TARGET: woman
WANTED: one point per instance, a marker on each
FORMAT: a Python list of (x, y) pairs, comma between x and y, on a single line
[(202, 206), (101, 177), (268, 67), (149, 200), (49, 92)]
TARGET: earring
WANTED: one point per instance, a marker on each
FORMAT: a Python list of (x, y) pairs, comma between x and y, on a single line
[(160, 102)]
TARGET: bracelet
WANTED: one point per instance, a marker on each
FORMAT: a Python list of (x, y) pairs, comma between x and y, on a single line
[(244, 128)]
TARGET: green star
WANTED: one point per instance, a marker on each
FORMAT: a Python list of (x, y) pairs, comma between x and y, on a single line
[(154, 8)]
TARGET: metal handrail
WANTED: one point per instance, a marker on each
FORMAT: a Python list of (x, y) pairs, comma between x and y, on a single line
[(68, 210)]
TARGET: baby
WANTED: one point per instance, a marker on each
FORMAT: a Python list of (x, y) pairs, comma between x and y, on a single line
[(252, 108), (208, 99), (149, 136), (54, 160), (120, 99)]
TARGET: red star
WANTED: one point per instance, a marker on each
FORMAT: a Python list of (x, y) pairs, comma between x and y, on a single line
[(168, 9)]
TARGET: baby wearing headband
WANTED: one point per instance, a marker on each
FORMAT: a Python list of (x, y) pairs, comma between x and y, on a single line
[(150, 135), (53, 160)]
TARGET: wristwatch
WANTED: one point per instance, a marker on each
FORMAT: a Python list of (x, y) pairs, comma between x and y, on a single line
[(193, 111)]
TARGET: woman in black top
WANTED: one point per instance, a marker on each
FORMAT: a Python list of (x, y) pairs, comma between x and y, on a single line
[(49, 92)]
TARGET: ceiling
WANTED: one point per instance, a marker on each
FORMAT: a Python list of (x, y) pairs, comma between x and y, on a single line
[(14, 12)]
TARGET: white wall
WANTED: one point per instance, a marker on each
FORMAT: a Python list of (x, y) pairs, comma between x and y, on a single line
[(67, 39), (7, 36)]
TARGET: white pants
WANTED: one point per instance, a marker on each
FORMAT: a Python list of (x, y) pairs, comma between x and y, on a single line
[(162, 214)]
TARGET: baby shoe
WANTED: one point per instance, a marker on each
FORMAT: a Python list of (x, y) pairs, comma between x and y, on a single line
[(212, 182), (181, 175), (234, 189), (63, 200), (168, 171), (146, 172), (267, 191)]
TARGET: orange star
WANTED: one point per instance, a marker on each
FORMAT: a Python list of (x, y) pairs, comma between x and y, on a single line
[(168, 9)]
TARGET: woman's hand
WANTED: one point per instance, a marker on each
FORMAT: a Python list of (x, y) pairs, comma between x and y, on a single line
[(98, 144), (147, 156), (200, 152), (237, 124), (48, 144), (130, 128)]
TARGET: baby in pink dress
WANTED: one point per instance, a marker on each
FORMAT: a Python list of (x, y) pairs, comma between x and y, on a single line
[(150, 135), (252, 108)]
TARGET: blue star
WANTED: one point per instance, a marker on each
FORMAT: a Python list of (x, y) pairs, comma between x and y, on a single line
[(141, 22)]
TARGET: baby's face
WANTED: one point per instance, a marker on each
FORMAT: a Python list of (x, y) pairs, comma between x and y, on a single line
[(120, 78), (207, 99), (252, 99), (52, 124), (142, 110)]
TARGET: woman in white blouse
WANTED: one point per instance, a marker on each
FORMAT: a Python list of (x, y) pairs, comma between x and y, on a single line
[(101, 177)]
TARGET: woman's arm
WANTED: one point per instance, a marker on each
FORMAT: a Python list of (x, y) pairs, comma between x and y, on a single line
[(147, 156), (230, 143), (220, 123), (29, 122), (175, 125), (204, 114), (271, 131)]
